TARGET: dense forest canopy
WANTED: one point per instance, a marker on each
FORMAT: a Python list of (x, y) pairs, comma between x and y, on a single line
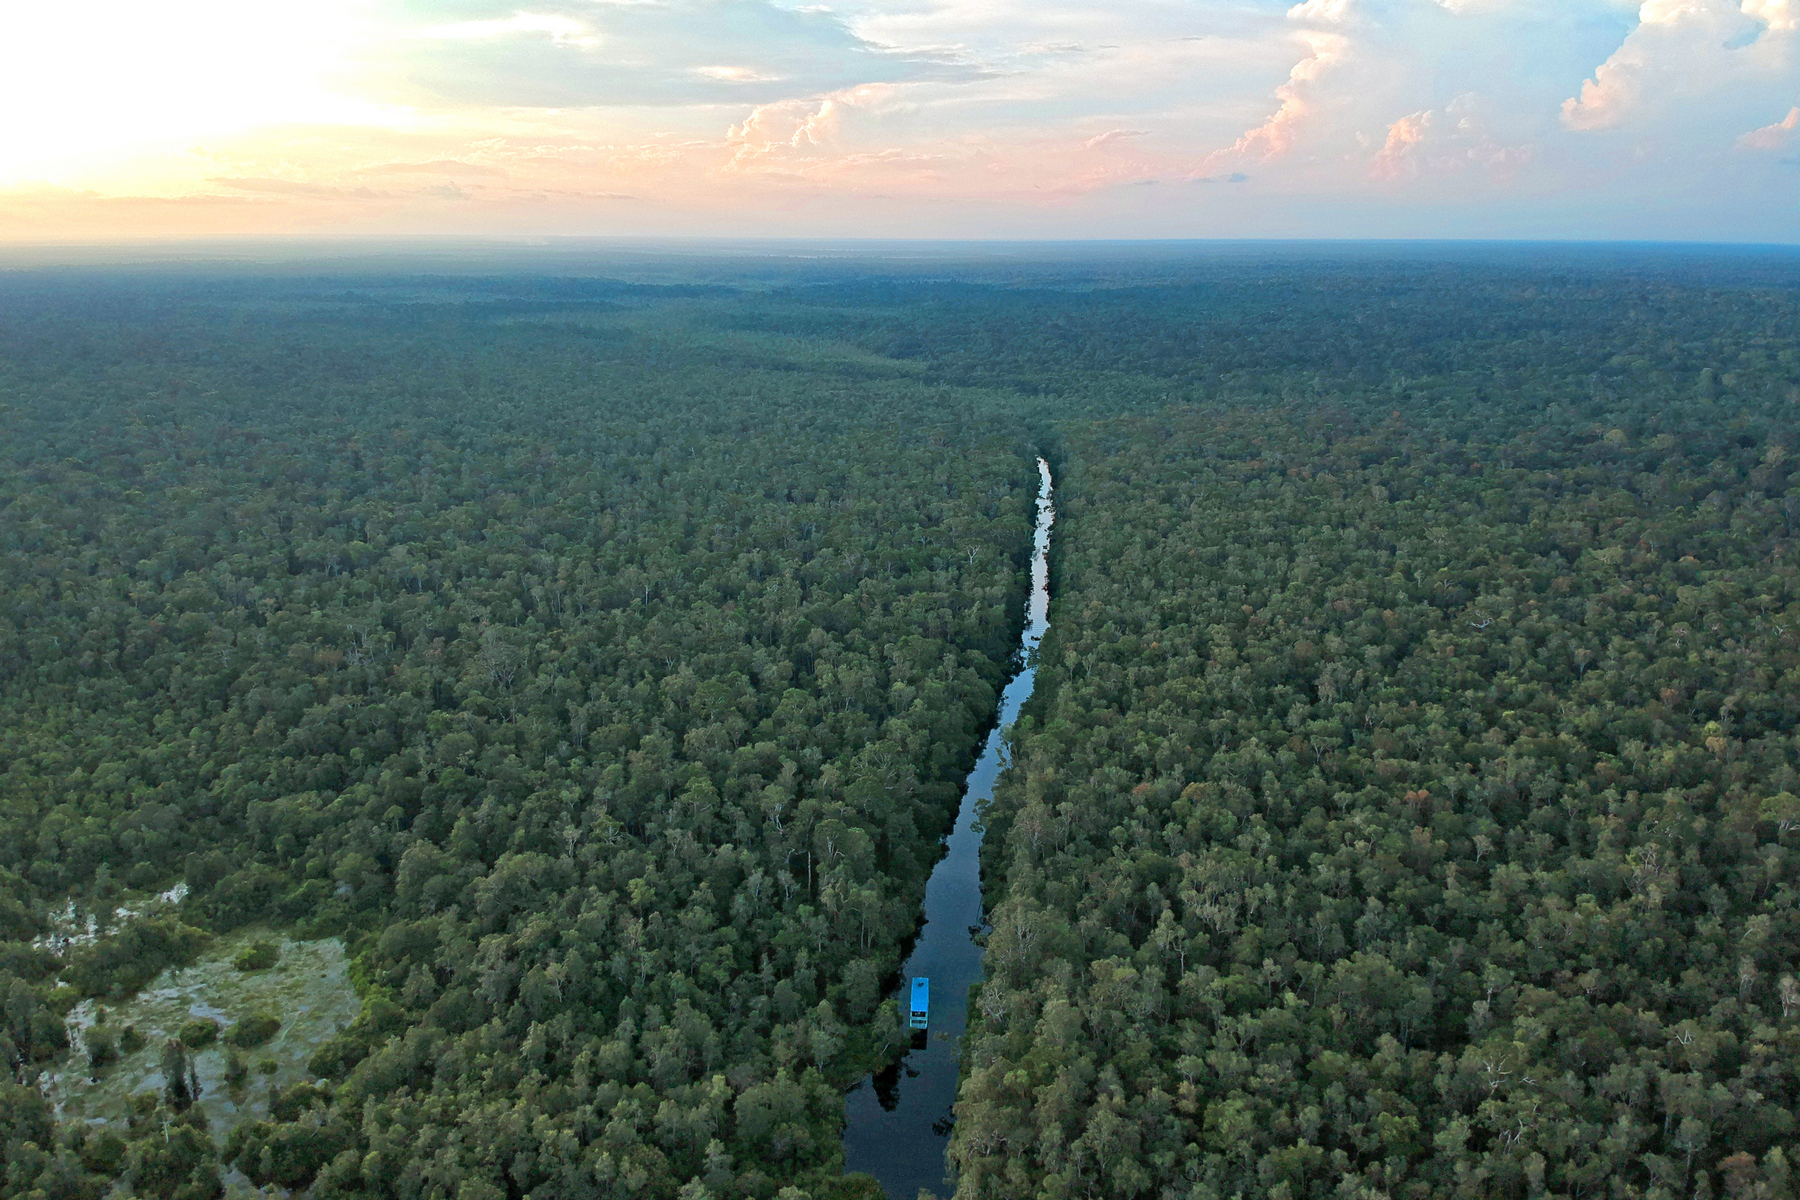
[(1398, 816), (1406, 808)]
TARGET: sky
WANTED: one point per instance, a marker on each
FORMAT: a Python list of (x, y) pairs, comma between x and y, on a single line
[(1551, 119)]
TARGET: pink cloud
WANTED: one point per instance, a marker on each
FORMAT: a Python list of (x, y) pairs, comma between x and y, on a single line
[(1772, 137), (1111, 136), (1455, 138), (1403, 137), (821, 137), (1276, 136)]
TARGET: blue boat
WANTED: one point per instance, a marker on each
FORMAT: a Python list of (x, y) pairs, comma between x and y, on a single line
[(921, 1002)]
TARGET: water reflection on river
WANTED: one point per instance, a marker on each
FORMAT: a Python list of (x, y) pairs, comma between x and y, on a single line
[(899, 1121)]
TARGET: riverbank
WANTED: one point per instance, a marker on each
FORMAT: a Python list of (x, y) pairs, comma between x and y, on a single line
[(898, 1122)]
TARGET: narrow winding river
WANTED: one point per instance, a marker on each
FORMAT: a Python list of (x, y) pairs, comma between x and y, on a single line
[(899, 1121)]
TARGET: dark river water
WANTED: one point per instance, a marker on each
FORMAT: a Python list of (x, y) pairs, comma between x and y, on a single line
[(899, 1121)]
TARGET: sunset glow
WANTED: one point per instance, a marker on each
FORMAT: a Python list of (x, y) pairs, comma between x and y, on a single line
[(934, 118)]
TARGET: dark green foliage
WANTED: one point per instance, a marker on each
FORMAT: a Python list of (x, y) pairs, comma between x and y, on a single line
[(199, 1033), (171, 1156), (253, 1030), (37, 1160), (379, 1019), (120, 963), (848, 1187), (180, 1086), (601, 662), (17, 922), (258, 956), (33, 1029), (613, 711), (1399, 813), (100, 1150), (24, 1118), (237, 1068), (289, 1150), (102, 1045)]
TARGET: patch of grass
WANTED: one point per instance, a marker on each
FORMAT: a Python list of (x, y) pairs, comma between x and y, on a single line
[(309, 989)]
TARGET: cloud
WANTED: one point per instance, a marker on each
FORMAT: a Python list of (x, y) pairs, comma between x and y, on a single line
[(578, 53), (1780, 15), (1044, 49), (806, 131), (46, 194), (1617, 83), (437, 166), (735, 74), (1330, 12), (1277, 135), (1113, 136), (578, 195), (1679, 49), (1440, 141), (289, 187), (559, 28), (1773, 137), (1371, 96), (1403, 137), (978, 117)]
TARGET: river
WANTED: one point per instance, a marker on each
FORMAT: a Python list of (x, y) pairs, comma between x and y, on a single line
[(899, 1121)]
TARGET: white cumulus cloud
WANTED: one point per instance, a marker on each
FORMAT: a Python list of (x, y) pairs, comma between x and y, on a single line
[(1680, 50), (1781, 16)]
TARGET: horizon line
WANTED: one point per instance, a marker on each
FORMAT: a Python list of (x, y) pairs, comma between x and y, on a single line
[(291, 250)]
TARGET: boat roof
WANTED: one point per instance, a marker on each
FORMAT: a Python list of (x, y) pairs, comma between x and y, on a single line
[(921, 988)]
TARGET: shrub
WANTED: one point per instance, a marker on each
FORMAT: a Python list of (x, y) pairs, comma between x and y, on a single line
[(198, 1034), (258, 956), (122, 963), (253, 1030), (102, 1046)]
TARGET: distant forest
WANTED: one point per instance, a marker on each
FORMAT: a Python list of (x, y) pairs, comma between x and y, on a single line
[(1408, 806)]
